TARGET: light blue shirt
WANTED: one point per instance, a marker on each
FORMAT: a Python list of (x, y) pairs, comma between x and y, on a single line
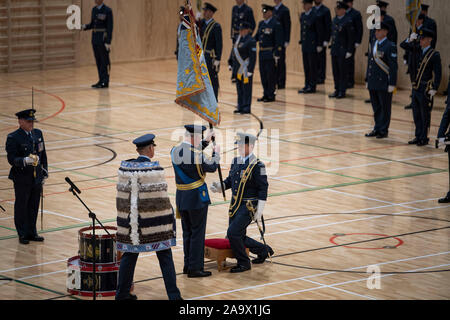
[(278, 5), (308, 12), (100, 6), (425, 49), (375, 47), (246, 158), (268, 20), (208, 21)]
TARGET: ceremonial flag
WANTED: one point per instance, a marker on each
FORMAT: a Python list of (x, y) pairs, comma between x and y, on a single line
[(413, 8), (194, 89)]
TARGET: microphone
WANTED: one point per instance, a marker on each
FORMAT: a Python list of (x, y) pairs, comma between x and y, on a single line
[(72, 185)]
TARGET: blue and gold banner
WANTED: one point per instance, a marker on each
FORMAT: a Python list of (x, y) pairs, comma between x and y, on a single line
[(194, 89), (412, 12)]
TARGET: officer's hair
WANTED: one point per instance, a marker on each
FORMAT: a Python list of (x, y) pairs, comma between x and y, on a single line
[(141, 150)]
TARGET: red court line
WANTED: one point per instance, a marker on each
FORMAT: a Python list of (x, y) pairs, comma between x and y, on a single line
[(344, 152), (63, 106)]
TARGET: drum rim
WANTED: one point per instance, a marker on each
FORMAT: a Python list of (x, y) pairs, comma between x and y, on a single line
[(91, 294), (88, 267), (106, 236)]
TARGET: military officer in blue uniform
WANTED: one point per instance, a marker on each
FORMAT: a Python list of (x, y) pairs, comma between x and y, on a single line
[(381, 80), (309, 40), (270, 38), (211, 34), (444, 137), (393, 34), (342, 48), (413, 52), (102, 28), (145, 146), (244, 58), (425, 86), (324, 17), (356, 18), (282, 14), (27, 156), (241, 12), (429, 23), (248, 181), (192, 198)]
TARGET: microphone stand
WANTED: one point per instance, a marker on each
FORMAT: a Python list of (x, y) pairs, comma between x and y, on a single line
[(93, 216)]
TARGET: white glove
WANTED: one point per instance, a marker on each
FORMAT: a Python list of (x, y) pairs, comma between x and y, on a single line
[(391, 89), (259, 211), (441, 141), (215, 187), (405, 62), (319, 49), (29, 161), (230, 68), (413, 36), (286, 44), (249, 74), (325, 44), (217, 149), (348, 55), (211, 134), (357, 45), (276, 60), (44, 180), (83, 27), (217, 65), (108, 47), (432, 93), (198, 16)]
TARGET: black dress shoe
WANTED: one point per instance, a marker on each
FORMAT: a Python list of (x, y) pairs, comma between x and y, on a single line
[(271, 99), (372, 134), (245, 111), (303, 90), (103, 85), (445, 200), (262, 99), (261, 259), (422, 143), (23, 241), (368, 101), (341, 96), (334, 94), (414, 141), (382, 135), (408, 107), (36, 239), (199, 274), (237, 111), (95, 85), (185, 270), (239, 268), (281, 87), (129, 297)]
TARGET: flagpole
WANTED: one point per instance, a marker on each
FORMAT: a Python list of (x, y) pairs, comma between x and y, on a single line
[(213, 139)]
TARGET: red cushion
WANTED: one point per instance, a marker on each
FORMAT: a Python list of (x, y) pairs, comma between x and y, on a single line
[(218, 243)]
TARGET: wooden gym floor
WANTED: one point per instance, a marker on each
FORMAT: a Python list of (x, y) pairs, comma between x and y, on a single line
[(329, 186)]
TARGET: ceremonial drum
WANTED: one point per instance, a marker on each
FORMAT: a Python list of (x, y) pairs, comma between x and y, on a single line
[(80, 279), (105, 245)]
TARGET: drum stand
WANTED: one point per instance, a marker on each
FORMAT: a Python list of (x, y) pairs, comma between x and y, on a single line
[(93, 216)]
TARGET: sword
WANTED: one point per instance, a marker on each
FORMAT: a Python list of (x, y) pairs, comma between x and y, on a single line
[(261, 229), (213, 139)]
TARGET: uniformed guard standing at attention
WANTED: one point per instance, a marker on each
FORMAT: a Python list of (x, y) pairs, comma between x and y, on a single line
[(248, 181), (309, 40), (102, 29), (413, 52), (211, 34), (281, 12), (145, 146), (244, 57), (428, 80), (393, 34), (270, 38), (241, 12), (192, 198), (356, 18), (26, 154), (324, 18), (445, 138), (342, 48), (429, 23), (381, 79)]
